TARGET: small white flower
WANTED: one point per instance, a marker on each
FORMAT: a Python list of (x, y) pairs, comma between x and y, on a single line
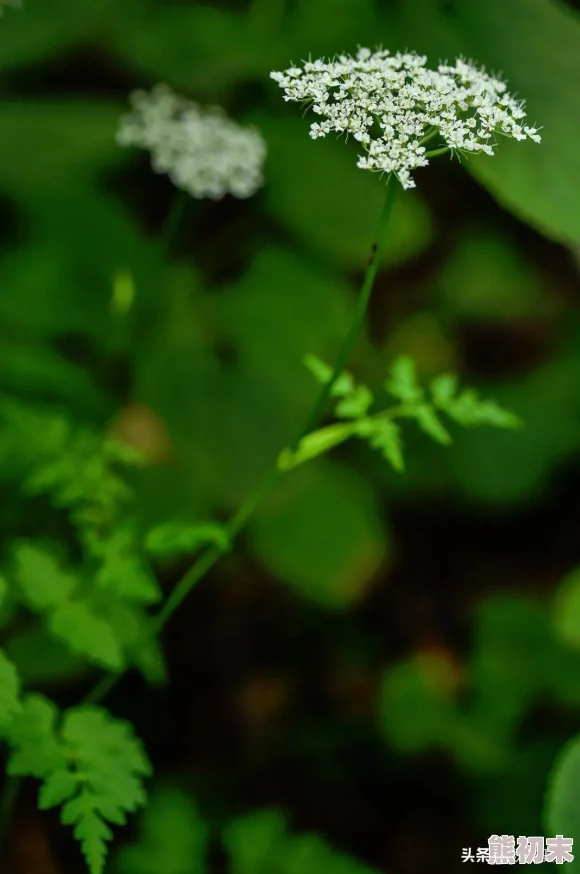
[(202, 150), (394, 104)]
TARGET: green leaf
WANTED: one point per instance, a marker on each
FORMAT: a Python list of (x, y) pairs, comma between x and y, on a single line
[(321, 532), (78, 138), (316, 444), (356, 404), (402, 382), (344, 383), (562, 801), (414, 713), (58, 663), (431, 425), (123, 571), (567, 609), (535, 45), (174, 838), (87, 634), (488, 278), (3, 590), (59, 786), (43, 582), (106, 764), (444, 389), (10, 704), (31, 734), (384, 435), (247, 418), (180, 538), (37, 32), (254, 840), (468, 410), (331, 206), (492, 466)]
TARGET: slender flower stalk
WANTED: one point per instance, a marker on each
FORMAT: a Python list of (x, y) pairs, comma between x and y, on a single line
[(238, 522), (393, 105)]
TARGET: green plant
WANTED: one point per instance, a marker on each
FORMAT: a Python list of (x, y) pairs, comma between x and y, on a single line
[(95, 585)]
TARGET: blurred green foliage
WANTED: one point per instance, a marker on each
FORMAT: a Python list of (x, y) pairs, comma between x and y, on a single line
[(191, 359)]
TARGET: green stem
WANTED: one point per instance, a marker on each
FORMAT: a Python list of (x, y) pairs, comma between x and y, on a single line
[(207, 560)]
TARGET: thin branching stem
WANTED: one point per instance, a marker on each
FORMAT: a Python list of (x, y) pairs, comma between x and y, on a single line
[(238, 522)]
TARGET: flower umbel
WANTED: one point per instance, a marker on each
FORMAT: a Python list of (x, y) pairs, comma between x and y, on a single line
[(202, 150), (393, 104)]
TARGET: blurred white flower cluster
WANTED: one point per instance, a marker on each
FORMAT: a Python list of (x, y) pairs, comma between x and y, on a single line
[(394, 105), (202, 150)]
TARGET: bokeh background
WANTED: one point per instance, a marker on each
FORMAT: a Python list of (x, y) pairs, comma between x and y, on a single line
[(382, 671)]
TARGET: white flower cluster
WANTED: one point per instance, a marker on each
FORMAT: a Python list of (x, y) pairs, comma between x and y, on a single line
[(202, 150), (393, 105)]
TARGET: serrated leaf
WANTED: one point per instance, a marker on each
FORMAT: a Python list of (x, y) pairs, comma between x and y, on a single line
[(40, 577), (356, 404), (402, 382), (58, 786), (96, 768), (344, 384), (10, 704), (468, 410), (87, 634), (385, 435), (31, 734), (431, 425), (444, 388)]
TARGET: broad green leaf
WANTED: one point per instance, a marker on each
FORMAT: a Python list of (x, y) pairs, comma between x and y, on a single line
[(536, 45), (255, 840), (282, 309), (37, 31), (315, 189), (87, 634), (487, 278), (322, 534), (77, 138), (494, 466), (414, 713), (562, 801), (42, 580), (57, 665), (173, 838), (567, 609)]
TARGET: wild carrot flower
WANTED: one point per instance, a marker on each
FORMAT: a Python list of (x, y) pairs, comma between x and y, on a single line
[(202, 150), (393, 104)]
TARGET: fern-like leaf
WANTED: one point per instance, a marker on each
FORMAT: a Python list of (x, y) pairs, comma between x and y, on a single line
[(91, 764)]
